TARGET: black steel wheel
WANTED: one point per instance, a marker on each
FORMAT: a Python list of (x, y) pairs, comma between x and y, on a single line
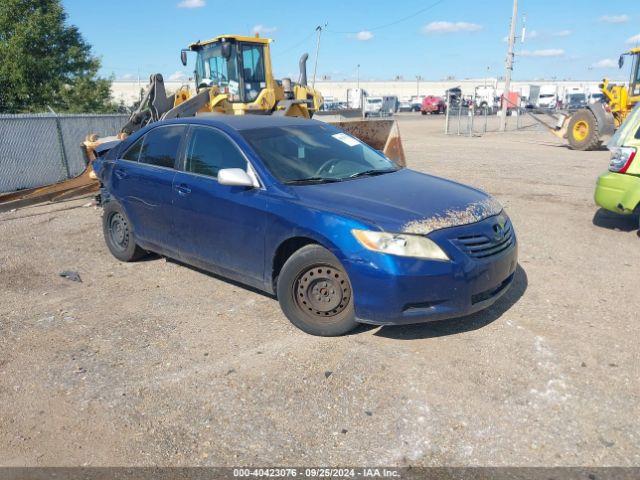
[(315, 293), (118, 233)]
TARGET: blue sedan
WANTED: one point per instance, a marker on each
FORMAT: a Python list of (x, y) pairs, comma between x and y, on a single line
[(300, 209)]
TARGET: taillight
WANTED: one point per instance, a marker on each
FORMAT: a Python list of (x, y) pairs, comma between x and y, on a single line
[(621, 158)]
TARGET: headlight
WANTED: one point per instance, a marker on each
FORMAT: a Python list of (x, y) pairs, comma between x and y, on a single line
[(400, 244)]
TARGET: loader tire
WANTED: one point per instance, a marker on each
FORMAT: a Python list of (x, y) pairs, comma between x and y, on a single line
[(583, 132), (118, 234)]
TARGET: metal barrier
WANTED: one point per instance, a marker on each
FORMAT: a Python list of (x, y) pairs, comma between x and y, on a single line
[(42, 149), (470, 121)]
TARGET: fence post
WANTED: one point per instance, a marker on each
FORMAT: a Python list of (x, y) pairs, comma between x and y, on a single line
[(459, 115), (446, 115), (471, 115), (63, 152)]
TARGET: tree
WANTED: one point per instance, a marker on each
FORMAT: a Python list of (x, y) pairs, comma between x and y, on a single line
[(45, 62)]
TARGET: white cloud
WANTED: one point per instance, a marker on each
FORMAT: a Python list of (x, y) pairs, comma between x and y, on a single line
[(633, 40), (192, 4), (451, 27), (562, 33), (605, 63), (364, 35), (549, 52), (264, 30), (178, 77), (127, 77), (614, 18), (531, 34)]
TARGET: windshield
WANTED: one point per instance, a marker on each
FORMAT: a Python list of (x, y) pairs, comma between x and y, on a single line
[(213, 69), (315, 154), (577, 97), (630, 124), (374, 100)]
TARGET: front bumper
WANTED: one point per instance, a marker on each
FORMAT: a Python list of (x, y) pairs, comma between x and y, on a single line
[(392, 290), (618, 192)]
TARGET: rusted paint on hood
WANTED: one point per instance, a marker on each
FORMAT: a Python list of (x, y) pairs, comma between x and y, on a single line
[(475, 212)]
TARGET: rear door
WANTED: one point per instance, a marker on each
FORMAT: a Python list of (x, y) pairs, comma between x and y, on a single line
[(220, 225), (143, 183)]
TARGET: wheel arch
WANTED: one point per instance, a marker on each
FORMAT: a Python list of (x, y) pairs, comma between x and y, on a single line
[(288, 246)]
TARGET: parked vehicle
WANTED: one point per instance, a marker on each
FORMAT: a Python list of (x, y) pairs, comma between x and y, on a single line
[(356, 97), (596, 97), (484, 97), (575, 101), (390, 105), (372, 106), (416, 102), (432, 104), (618, 190), (405, 105), (548, 97), (300, 209)]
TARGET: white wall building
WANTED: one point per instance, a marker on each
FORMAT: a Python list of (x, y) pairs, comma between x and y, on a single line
[(129, 92)]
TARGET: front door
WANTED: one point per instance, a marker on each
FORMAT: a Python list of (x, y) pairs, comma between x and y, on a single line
[(220, 225)]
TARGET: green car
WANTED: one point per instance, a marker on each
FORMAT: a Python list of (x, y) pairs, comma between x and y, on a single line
[(618, 190)]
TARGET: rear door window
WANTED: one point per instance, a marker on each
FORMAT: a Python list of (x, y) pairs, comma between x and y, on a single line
[(161, 145), (209, 151)]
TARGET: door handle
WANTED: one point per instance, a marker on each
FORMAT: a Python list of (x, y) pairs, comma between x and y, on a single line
[(120, 173), (183, 190)]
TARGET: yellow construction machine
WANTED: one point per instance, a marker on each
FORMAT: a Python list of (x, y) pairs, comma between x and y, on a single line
[(587, 128), (233, 76)]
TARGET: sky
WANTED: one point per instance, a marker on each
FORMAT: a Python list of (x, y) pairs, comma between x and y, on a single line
[(433, 39)]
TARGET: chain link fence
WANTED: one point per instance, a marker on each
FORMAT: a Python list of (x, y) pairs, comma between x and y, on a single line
[(41, 149)]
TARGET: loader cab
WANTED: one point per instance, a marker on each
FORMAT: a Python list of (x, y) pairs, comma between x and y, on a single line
[(634, 79), (236, 65)]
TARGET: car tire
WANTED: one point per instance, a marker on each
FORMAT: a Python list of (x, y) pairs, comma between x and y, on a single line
[(118, 234), (315, 293)]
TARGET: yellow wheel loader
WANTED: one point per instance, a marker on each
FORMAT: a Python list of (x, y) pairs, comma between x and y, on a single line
[(233, 76), (587, 128)]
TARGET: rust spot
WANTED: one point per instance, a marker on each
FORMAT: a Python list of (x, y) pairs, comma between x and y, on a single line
[(474, 212)]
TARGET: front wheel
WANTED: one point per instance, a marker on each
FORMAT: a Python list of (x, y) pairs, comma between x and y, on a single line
[(315, 293)]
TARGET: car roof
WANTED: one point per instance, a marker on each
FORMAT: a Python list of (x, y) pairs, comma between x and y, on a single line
[(248, 122)]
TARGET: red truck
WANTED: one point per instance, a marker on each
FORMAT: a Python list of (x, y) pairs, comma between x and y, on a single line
[(432, 104)]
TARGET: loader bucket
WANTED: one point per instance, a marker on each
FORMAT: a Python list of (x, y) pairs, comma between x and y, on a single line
[(381, 134)]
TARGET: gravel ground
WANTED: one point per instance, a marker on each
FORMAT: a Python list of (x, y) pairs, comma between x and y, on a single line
[(156, 363)]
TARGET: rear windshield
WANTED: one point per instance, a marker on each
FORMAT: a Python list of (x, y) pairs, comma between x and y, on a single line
[(319, 152)]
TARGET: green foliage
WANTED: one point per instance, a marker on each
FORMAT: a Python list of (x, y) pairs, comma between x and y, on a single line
[(44, 62)]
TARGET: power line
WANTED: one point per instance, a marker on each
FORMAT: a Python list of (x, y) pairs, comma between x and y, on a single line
[(292, 47), (395, 22)]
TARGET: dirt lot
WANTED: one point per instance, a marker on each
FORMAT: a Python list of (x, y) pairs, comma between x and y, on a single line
[(157, 363)]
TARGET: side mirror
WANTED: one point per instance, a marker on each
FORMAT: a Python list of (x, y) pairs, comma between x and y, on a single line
[(183, 57), (621, 61), (234, 177)]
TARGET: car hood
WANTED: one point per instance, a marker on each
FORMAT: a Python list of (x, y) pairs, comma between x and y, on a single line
[(403, 201)]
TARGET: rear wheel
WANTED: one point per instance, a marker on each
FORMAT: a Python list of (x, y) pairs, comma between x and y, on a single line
[(315, 293), (583, 132), (118, 234)]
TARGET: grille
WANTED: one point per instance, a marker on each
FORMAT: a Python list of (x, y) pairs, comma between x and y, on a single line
[(481, 246)]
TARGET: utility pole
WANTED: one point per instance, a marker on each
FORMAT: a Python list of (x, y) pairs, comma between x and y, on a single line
[(358, 76), (315, 65), (509, 67), (418, 78)]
